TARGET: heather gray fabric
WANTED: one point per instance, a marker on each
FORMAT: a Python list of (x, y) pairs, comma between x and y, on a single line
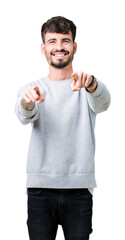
[(62, 146)]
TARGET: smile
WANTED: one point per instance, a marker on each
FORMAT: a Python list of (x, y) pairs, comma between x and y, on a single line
[(59, 54)]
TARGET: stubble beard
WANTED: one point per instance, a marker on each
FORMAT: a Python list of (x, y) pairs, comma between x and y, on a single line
[(61, 63)]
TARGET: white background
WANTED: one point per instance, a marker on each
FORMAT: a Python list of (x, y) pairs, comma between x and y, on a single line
[(101, 52)]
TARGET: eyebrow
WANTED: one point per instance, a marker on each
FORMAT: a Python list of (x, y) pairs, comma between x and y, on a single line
[(67, 39), (51, 39)]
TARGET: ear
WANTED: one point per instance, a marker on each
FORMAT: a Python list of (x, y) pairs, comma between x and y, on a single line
[(75, 47), (43, 48)]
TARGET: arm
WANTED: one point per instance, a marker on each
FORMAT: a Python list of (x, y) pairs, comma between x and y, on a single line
[(98, 95), (99, 98)]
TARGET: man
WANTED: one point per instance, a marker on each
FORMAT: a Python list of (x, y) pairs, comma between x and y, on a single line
[(62, 109)]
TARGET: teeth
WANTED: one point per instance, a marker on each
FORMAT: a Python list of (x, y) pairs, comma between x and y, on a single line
[(59, 55)]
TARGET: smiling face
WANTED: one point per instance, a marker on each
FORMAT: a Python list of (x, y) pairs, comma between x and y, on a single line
[(59, 49)]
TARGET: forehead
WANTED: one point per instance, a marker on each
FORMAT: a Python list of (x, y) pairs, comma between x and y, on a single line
[(58, 36)]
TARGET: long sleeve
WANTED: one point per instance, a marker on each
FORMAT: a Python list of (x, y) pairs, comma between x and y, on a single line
[(99, 101), (26, 116), (62, 145)]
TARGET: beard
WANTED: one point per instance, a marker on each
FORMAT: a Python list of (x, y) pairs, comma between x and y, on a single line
[(60, 63)]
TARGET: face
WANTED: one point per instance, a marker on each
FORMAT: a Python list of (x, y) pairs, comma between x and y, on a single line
[(59, 49)]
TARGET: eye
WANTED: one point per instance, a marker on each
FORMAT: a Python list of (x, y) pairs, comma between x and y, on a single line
[(52, 41), (66, 41)]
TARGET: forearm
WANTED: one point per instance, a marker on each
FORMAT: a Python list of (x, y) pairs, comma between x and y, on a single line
[(99, 99)]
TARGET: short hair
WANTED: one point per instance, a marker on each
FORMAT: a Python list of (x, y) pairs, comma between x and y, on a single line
[(58, 25)]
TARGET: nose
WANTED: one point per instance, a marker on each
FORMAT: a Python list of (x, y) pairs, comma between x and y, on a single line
[(59, 45)]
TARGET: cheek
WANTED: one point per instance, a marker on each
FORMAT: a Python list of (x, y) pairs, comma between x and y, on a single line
[(72, 49), (47, 55), (48, 49), (47, 52)]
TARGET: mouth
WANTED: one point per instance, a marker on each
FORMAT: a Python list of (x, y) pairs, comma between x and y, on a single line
[(59, 54)]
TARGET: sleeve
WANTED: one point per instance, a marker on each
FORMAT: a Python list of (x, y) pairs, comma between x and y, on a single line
[(99, 100), (26, 116)]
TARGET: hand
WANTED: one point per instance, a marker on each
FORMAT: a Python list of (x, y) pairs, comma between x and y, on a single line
[(32, 95), (81, 80)]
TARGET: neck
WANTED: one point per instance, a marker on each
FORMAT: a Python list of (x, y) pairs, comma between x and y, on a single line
[(60, 74)]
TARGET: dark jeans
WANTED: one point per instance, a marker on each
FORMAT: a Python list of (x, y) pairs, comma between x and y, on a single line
[(71, 208)]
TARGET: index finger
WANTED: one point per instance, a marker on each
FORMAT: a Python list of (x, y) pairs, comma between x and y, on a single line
[(75, 77), (78, 78), (36, 88)]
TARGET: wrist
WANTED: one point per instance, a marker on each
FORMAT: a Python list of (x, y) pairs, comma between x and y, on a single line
[(92, 86), (27, 106)]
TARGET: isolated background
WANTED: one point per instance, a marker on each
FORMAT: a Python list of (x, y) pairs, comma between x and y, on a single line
[(101, 52)]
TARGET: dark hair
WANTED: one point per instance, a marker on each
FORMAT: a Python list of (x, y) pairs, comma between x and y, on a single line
[(58, 25)]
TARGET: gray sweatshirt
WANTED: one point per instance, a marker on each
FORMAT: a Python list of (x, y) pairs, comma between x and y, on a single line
[(62, 145)]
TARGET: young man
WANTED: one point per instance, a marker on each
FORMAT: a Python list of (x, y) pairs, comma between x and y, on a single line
[(62, 108)]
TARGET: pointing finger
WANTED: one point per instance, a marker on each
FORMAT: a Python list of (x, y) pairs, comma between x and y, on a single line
[(40, 97), (78, 78), (35, 94)]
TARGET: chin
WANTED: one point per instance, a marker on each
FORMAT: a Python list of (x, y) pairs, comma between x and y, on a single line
[(59, 65)]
